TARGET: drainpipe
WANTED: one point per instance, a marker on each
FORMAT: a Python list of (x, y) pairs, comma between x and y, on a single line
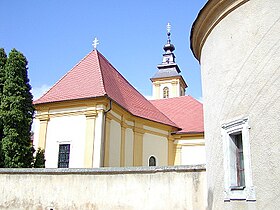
[(104, 133), (99, 146), (110, 107)]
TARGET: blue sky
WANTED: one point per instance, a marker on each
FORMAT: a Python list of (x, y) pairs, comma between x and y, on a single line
[(54, 35)]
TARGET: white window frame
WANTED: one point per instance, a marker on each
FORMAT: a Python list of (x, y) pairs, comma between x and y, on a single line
[(230, 192)]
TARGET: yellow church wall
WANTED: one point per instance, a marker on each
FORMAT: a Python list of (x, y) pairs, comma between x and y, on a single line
[(128, 139), (129, 147), (138, 132), (115, 144), (154, 130), (156, 146), (131, 131), (123, 142), (107, 142), (117, 117), (67, 111), (40, 124), (171, 151), (49, 119), (98, 153), (89, 138)]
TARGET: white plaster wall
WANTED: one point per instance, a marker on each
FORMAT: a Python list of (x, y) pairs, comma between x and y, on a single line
[(115, 144), (116, 190), (36, 129), (156, 146), (240, 67), (193, 155), (155, 92), (68, 130), (129, 137)]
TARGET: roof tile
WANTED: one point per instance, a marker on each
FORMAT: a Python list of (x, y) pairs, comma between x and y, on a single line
[(94, 76), (185, 111)]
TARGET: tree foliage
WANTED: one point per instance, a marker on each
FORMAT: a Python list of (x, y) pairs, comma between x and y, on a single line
[(3, 59), (16, 112), (40, 159)]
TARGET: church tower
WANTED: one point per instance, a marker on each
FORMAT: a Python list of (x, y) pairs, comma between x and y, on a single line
[(167, 82)]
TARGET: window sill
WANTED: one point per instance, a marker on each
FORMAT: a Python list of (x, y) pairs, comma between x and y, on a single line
[(239, 193), (237, 187)]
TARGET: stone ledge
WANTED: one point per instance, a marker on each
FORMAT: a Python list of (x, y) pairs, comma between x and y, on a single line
[(103, 171)]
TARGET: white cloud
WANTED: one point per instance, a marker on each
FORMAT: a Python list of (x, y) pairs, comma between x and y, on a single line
[(39, 91)]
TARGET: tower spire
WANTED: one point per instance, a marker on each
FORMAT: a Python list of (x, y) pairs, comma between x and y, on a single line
[(168, 28), (167, 82), (168, 47)]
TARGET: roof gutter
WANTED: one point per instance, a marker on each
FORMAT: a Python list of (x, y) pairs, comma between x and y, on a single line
[(110, 106)]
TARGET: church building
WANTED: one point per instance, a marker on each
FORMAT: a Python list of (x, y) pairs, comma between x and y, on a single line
[(93, 117)]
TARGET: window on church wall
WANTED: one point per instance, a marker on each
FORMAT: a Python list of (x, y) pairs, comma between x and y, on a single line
[(165, 92), (63, 156), (152, 161)]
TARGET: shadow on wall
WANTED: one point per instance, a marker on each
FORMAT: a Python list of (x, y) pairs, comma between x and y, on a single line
[(209, 200)]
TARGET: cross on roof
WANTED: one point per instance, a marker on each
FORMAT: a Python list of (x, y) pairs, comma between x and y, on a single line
[(168, 27), (95, 43)]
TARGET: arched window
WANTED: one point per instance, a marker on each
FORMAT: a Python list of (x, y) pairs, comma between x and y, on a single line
[(152, 161), (165, 92)]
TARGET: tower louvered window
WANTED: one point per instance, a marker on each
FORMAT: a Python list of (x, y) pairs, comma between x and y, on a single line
[(166, 92)]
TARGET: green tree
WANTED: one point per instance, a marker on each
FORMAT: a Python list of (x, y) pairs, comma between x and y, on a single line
[(17, 111), (40, 159), (3, 59)]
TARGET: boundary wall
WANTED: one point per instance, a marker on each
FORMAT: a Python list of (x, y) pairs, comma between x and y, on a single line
[(172, 187)]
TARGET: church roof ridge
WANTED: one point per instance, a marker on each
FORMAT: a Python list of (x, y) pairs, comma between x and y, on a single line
[(39, 100), (52, 95), (100, 71), (100, 54), (94, 76), (134, 102)]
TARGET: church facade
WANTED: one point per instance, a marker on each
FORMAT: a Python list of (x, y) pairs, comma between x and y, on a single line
[(93, 117)]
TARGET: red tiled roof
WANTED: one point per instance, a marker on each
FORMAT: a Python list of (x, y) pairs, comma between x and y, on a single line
[(185, 111), (93, 77)]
